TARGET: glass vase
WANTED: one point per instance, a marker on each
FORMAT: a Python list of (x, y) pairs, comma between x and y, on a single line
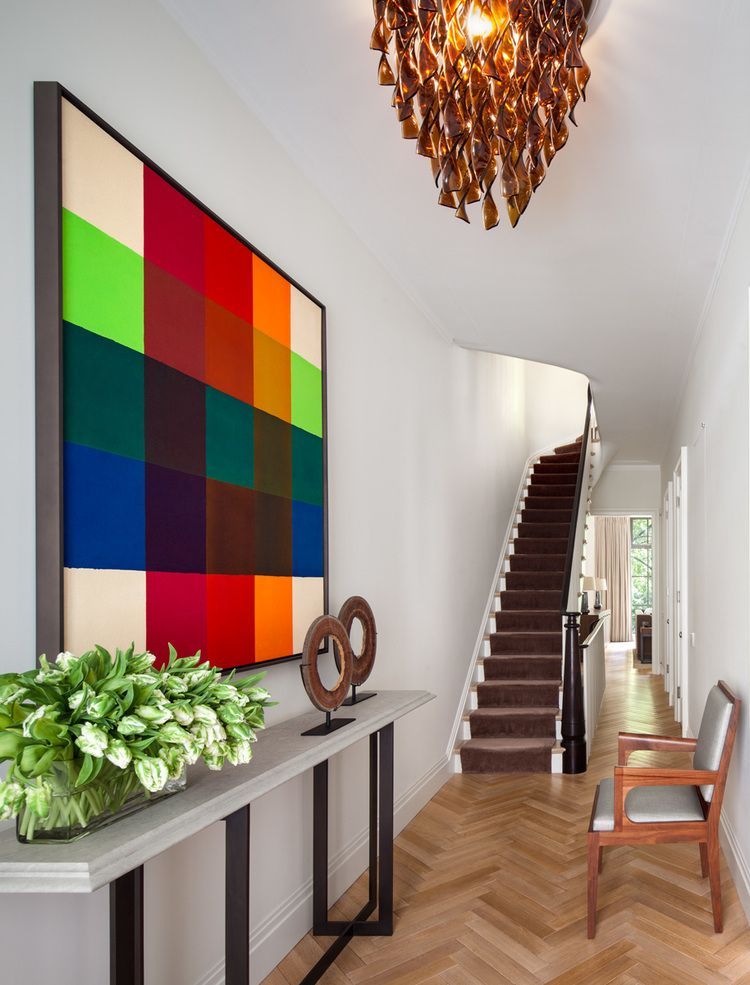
[(77, 811)]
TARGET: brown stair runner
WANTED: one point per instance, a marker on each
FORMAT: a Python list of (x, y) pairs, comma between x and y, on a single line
[(513, 728)]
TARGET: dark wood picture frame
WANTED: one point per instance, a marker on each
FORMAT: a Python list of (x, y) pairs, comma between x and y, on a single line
[(48, 96)]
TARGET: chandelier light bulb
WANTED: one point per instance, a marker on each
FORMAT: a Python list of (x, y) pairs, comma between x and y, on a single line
[(479, 24), (486, 89)]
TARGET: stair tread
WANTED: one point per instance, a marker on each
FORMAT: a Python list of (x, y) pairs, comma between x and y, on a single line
[(527, 632), (512, 712), (530, 612), (545, 656), (520, 682), (510, 742), (523, 656)]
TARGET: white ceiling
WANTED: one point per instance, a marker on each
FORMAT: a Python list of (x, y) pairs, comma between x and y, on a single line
[(611, 267)]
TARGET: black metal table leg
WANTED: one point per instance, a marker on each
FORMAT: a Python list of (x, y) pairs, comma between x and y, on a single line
[(320, 847), (380, 857), (126, 929), (373, 874), (385, 833), (237, 895)]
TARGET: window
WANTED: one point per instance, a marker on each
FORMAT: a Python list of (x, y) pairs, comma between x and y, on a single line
[(641, 565)]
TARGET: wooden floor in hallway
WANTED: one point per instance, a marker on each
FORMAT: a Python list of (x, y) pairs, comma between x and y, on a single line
[(490, 884)]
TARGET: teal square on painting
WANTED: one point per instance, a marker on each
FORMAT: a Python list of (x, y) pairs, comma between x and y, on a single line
[(307, 467), (307, 396), (103, 393), (229, 439), (102, 283)]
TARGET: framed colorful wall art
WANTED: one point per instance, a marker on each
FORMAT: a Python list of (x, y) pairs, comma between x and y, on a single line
[(181, 413)]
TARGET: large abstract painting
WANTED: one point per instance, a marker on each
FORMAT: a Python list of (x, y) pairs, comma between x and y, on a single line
[(191, 378)]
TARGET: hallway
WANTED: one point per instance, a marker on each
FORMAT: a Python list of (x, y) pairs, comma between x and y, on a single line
[(494, 874)]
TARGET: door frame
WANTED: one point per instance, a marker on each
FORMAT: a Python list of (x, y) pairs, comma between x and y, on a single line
[(680, 683), (668, 588), (655, 515)]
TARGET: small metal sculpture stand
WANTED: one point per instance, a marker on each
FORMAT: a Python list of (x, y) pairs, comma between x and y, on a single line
[(354, 698), (330, 725)]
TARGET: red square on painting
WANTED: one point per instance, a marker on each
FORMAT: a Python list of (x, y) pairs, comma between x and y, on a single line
[(172, 231), (175, 613), (231, 620), (229, 271)]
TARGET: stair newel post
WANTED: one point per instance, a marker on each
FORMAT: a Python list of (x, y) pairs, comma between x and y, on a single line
[(573, 716)]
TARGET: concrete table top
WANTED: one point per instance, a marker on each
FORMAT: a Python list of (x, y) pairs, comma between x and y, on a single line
[(280, 754)]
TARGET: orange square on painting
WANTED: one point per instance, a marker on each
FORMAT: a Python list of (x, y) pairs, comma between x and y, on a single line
[(272, 302), (228, 352), (272, 376), (273, 617)]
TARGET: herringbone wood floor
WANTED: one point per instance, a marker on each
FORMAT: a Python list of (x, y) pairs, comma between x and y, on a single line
[(491, 885)]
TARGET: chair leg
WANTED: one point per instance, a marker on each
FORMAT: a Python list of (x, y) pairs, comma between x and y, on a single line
[(601, 858), (593, 883), (704, 858), (714, 875)]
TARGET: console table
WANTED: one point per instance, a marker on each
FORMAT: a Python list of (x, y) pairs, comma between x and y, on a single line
[(116, 855)]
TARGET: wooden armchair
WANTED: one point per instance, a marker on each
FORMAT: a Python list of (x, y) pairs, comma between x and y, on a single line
[(643, 805)]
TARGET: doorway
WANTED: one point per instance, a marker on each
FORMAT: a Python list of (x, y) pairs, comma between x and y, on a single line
[(637, 556)]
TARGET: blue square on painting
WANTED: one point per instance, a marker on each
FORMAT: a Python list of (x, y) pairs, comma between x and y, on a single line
[(307, 540), (104, 510)]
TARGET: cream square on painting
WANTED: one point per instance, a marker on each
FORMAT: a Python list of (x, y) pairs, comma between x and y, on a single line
[(307, 605), (307, 324), (104, 607), (102, 182)]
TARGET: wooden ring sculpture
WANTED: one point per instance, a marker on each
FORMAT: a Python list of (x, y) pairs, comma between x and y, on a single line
[(323, 698), (358, 608)]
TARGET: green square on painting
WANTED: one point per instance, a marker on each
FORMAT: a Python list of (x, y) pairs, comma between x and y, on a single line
[(307, 396), (102, 283), (103, 384), (307, 467), (229, 439)]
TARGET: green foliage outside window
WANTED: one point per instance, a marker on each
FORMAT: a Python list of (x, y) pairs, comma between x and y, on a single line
[(641, 565)]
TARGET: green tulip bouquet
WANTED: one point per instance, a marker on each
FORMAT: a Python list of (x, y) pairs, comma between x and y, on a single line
[(94, 736)]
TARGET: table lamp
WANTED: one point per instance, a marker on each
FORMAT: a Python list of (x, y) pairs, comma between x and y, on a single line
[(589, 585), (601, 586)]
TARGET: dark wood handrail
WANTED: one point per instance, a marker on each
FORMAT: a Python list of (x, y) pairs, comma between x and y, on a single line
[(568, 575), (573, 724)]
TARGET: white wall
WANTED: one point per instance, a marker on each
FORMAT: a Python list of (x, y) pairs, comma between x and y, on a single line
[(426, 446), (627, 488), (716, 395), (555, 404)]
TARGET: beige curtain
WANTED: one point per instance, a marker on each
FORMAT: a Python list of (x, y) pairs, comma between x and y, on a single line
[(613, 563)]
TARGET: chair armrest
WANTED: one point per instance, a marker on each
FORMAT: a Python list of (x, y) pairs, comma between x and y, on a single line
[(628, 777), (629, 742)]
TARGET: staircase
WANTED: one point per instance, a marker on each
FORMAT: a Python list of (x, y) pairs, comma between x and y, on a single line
[(512, 727)]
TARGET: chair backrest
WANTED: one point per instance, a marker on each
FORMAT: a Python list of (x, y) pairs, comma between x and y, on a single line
[(716, 734)]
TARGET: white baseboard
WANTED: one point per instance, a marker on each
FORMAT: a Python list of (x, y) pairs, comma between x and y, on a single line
[(275, 936), (737, 863)]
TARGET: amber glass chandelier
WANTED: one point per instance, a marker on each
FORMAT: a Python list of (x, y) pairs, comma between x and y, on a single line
[(485, 87)]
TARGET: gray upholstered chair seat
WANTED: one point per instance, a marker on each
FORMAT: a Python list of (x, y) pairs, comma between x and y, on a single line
[(647, 804)]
